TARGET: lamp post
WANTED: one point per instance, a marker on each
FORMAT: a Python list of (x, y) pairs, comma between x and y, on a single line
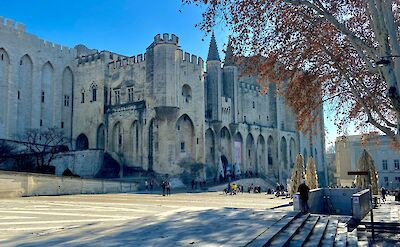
[(392, 92), (385, 60)]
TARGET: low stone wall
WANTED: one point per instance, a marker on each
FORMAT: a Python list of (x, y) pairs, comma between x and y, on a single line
[(86, 163), (17, 184), (314, 201), (328, 201), (361, 204)]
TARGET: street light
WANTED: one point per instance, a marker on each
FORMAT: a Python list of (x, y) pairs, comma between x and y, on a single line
[(392, 92)]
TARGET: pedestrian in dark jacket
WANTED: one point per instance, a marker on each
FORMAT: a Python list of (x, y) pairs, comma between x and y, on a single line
[(303, 190), (163, 186)]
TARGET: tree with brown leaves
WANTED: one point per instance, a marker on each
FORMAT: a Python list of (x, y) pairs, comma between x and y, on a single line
[(321, 51)]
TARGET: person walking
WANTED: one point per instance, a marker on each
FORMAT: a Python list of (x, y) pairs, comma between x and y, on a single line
[(151, 184), (168, 187), (277, 189), (146, 184), (303, 190), (383, 193), (163, 187)]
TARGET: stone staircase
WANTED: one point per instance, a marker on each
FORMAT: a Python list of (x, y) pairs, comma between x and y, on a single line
[(296, 229)]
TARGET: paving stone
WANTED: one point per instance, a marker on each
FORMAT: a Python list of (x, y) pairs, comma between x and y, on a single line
[(185, 219)]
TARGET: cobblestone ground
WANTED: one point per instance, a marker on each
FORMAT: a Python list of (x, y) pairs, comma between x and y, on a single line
[(184, 219)]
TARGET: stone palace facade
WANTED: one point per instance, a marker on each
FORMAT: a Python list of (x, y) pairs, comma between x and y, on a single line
[(160, 111)]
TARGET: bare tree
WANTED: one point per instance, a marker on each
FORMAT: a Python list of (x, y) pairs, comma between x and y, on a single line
[(6, 151), (44, 144)]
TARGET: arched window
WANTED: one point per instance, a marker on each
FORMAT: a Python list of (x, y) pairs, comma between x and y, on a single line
[(186, 93), (93, 88), (82, 142)]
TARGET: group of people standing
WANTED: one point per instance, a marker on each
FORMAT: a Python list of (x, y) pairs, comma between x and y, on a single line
[(149, 184), (200, 184), (166, 187), (233, 189), (279, 190)]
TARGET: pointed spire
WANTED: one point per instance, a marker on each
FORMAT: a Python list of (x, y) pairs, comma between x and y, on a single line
[(213, 50), (229, 59)]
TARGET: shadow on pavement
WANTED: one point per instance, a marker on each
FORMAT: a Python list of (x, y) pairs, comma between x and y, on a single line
[(227, 227)]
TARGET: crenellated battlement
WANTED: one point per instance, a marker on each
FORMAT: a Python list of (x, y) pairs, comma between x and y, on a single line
[(249, 87), (11, 26), (91, 58), (190, 58), (166, 39), (124, 62), (59, 48)]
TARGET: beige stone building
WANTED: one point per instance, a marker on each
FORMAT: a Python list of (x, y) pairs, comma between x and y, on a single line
[(161, 111), (386, 160)]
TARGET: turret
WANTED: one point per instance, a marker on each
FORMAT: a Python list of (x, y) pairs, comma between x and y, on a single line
[(213, 82), (160, 69), (229, 58), (230, 83), (213, 54)]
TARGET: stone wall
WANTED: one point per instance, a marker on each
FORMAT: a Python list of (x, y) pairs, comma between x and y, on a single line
[(328, 201), (36, 79), (15, 184), (361, 204), (86, 163)]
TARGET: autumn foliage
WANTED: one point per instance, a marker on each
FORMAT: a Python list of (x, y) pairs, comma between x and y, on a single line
[(311, 174), (320, 51), (297, 175)]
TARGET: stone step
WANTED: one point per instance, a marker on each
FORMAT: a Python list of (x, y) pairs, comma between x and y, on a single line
[(352, 238), (284, 237), (318, 232), (304, 232), (341, 235), (265, 238), (362, 239), (330, 234)]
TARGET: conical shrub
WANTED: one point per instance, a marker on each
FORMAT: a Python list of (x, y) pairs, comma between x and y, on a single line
[(297, 174), (311, 174)]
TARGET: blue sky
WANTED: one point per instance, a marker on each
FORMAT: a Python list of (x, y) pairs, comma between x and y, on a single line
[(122, 26)]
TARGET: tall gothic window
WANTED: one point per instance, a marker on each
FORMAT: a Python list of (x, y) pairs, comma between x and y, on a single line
[(66, 100), (130, 94), (94, 92), (117, 96)]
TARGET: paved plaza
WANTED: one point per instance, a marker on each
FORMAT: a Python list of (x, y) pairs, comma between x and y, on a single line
[(184, 219)]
